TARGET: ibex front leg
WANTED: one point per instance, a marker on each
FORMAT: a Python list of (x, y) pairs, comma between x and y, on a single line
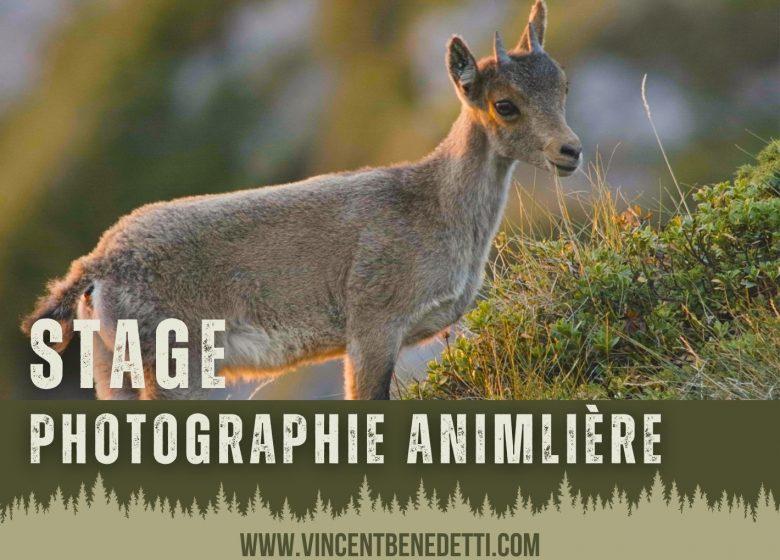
[(369, 364)]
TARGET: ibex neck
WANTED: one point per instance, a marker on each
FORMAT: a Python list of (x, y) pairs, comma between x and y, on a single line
[(474, 177)]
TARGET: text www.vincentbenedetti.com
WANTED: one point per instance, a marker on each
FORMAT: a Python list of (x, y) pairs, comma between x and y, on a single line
[(413, 545)]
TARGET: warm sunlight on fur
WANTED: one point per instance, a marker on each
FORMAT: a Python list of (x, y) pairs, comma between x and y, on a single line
[(365, 262)]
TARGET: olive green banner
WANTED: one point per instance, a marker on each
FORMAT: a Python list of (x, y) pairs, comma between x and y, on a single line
[(701, 446), (358, 479)]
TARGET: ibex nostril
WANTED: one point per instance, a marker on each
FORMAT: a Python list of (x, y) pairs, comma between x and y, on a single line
[(571, 151)]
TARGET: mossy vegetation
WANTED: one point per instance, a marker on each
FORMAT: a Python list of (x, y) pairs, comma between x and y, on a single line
[(618, 305)]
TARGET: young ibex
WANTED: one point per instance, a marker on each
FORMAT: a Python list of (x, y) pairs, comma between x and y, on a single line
[(361, 263)]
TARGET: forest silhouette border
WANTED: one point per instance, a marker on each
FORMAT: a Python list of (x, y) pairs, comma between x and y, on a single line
[(365, 502)]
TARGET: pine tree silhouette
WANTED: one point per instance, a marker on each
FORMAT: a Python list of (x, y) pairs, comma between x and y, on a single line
[(220, 503), (97, 494), (351, 509), (256, 501), (486, 509), (420, 499), (393, 507), (286, 514), (320, 510), (31, 507), (364, 503), (520, 504), (195, 510), (433, 503), (177, 510), (57, 503)]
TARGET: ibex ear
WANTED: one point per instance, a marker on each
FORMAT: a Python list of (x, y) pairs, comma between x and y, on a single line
[(533, 36), (463, 68)]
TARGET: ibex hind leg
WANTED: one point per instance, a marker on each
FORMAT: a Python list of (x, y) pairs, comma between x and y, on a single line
[(103, 358), (102, 303), (89, 307), (194, 389)]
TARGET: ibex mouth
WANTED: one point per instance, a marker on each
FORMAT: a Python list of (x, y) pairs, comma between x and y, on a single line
[(564, 169)]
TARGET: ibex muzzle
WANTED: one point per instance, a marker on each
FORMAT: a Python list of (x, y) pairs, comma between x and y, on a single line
[(359, 264)]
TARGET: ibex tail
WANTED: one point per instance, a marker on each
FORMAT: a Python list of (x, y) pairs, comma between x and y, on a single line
[(60, 302)]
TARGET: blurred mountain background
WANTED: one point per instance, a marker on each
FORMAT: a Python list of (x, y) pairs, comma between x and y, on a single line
[(107, 105)]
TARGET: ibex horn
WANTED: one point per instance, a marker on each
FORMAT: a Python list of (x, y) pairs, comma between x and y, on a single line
[(502, 57)]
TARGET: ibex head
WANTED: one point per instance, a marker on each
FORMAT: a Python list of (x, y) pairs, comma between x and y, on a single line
[(519, 97)]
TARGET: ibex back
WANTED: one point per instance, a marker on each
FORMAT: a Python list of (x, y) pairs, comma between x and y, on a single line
[(360, 263)]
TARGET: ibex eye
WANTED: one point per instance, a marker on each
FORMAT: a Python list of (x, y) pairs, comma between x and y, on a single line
[(506, 108)]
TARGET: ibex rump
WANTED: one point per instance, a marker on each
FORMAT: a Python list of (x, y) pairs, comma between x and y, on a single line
[(362, 263)]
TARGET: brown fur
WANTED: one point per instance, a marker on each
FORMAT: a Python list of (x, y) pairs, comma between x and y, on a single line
[(364, 262)]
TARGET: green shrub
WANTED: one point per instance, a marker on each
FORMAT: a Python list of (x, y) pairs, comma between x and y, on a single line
[(617, 308)]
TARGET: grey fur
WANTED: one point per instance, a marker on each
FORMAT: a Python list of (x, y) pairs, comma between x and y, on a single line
[(360, 263)]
